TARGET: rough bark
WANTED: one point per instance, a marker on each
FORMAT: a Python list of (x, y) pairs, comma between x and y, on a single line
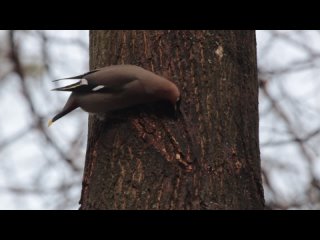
[(207, 158)]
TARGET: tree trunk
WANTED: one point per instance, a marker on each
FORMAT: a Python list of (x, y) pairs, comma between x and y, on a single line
[(206, 158)]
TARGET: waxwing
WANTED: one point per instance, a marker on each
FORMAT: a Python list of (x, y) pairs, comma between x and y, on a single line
[(116, 87)]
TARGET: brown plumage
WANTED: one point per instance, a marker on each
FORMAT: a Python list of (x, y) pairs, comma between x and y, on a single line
[(116, 87)]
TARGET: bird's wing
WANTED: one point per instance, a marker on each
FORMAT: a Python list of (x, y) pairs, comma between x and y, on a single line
[(84, 86), (78, 76), (107, 79), (73, 87), (78, 87)]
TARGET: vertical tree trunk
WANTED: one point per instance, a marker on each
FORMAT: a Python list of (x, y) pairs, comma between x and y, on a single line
[(209, 157)]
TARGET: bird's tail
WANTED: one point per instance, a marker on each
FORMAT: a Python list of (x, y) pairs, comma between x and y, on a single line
[(70, 105)]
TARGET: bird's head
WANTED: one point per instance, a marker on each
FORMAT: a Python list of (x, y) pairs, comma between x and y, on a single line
[(169, 92), (173, 94)]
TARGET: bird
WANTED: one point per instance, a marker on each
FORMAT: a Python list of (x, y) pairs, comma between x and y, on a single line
[(116, 87)]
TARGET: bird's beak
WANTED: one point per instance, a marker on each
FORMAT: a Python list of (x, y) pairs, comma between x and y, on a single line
[(177, 108)]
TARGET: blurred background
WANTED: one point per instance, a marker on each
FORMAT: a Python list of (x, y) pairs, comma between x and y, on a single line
[(41, 167)]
